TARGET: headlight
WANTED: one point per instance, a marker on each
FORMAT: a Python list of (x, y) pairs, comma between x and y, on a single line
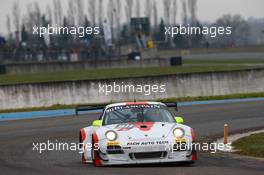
[(178, 132), (111, 135)]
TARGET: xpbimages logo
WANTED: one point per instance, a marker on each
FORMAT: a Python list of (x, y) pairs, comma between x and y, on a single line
[(80, 31), (57, 145), (211, 31), (145, 89)]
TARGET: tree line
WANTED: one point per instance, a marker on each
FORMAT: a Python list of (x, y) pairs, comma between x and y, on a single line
[(118, 14)]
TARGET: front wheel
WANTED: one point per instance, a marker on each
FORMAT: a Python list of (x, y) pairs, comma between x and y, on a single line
[(82, 147), (95, 157)]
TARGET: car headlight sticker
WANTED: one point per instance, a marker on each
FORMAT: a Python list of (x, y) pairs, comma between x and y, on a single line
[(111, 135), (178, 132)]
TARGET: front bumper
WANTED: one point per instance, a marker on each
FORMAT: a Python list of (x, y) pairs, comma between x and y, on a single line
[(124, 154)]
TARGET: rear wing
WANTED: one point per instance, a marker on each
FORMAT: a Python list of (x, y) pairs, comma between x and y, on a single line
[(172, 105), (80, 108)]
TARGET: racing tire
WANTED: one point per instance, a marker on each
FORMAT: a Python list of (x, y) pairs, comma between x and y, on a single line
[(95, 157), (81, 141), (83, 159)]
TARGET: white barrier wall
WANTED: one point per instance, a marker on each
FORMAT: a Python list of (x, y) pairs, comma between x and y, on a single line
[(83, 92)]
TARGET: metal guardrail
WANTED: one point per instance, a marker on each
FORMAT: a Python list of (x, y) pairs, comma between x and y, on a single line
[(80, 108)]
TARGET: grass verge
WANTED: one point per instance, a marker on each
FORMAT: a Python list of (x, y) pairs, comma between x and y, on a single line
[(168, 53), (224, 61), (114, 73), (183, 99), (252, 145)]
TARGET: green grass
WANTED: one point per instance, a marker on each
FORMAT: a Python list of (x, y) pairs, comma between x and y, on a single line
[(252, 145), (173, 52), (113, 73), (218, 97), (183, 99), (223, 61)]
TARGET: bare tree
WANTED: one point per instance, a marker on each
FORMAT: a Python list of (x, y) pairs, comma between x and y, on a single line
[(37, 14), (174, 12), (8, 25), (71, 12), (49, 14), (92, 10), (55, 12), (167, 11), (58, 13), (80, 12), (148, 8), (110, 14), (129, 9), (138, 9), (155, 15), (239, 34), (33, 17), (184, 12), (101, 14), (16, 16), (192, 5), (118, 14), (30, 17)]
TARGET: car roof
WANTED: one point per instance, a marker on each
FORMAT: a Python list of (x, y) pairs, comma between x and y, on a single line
[(134, 103)]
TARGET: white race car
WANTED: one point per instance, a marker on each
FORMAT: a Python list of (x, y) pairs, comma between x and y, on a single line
[(137, 133)]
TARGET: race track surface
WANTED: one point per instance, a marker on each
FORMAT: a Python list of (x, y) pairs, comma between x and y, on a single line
[(17, 157)]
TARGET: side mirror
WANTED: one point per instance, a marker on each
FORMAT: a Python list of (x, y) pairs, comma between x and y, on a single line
[(179, 120), (97, 123)]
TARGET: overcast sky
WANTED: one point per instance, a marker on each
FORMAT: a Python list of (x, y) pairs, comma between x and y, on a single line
[(208, 10)]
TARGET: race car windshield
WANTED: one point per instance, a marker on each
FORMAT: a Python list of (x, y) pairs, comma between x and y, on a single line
[(137, 113)]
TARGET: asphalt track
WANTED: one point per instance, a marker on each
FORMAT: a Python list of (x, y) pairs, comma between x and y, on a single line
[(17, 157)]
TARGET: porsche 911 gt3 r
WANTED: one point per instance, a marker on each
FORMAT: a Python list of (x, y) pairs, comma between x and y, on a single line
[(135, 133)]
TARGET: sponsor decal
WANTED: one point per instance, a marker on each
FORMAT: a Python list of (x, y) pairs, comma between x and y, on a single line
[(124, 126), (115, 108), (143, 126), (145, 143)]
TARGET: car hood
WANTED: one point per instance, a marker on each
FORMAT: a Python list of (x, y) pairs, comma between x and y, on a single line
[(141, 130)]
